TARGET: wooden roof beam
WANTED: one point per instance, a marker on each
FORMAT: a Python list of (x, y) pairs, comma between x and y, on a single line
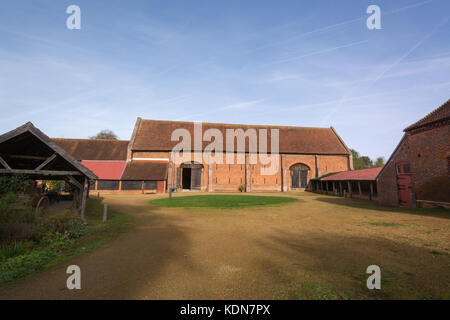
[(19, 156), (3, 162), (41, 172), (71, 180), (46, 162)]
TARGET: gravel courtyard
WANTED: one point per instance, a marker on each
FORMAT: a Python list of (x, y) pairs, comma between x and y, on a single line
[(316, 248)]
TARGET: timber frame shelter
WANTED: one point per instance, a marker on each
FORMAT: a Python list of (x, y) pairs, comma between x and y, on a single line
[(28, 151)]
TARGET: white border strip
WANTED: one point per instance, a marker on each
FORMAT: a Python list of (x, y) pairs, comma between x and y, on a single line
[(150, 159)]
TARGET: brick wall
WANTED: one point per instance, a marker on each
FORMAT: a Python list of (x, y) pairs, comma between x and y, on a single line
[(228, 177), (427, 152)]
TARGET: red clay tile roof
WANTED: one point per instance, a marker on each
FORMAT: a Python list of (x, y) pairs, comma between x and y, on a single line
[(94, 149), (145, 170), (106, 170), (363, 174), (440, 114), (154, 135)]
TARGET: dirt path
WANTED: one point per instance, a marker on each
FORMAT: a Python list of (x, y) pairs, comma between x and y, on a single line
[(316, 249)]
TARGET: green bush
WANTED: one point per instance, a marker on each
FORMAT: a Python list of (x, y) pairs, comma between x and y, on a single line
[(14, 249), (68, 224), (56, 241), (6, 201), (24, 264), (15, 184)]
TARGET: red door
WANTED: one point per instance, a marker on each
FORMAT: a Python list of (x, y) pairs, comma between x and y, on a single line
[(404, 184), (160, 187)]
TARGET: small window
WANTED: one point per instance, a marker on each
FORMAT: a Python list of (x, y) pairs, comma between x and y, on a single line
[(403, 168), (150, 185), (131, 185), (108, 185)]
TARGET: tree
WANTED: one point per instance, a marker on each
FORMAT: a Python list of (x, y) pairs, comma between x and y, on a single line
[(105, 134), (364, 162), (379, 162), (357, 162)]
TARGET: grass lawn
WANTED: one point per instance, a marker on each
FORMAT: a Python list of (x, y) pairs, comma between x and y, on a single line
[(221, 201)]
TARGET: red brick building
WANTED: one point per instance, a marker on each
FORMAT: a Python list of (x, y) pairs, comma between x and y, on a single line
[(418, 171), (305, 153), (146, 164)]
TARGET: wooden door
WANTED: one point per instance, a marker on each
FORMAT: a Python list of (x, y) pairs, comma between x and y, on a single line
[(299, 176), (196, 178), (160, 187), (295, 179), (404, 184), (303, 178)]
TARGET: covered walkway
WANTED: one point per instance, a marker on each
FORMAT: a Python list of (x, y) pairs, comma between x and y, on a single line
[(354, 184)]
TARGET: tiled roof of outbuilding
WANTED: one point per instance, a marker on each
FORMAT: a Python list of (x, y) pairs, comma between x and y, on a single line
[(363, 174), (106, 170), (94, 149), (145, 170)]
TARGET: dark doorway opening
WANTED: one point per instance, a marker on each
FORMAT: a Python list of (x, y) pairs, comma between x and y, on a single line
[(189, 176), (186, 180)]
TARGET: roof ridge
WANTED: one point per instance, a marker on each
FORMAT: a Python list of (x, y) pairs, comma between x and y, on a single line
[(86, 139), (236, 124), (423, 121)]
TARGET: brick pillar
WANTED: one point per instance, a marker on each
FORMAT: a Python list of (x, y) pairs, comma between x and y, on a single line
[(281, 174), (210, 177), (317, 160), (248, 174)]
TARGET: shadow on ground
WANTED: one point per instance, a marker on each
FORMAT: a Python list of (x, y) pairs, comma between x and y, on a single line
[(366, 204), (128, 267), (324, 267)]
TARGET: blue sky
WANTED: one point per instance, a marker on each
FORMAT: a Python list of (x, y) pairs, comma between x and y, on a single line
[(301, 63)]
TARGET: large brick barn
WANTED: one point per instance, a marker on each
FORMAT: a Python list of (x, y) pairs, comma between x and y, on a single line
[(418, 171), (304, 153), (145, 162)]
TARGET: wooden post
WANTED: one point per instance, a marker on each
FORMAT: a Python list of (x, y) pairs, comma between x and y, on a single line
[(349, 184), (105, 212), (334, 188), (75, 198), (359, 188), (84, 198), (371, 190), (340, 187), (413, 200)]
